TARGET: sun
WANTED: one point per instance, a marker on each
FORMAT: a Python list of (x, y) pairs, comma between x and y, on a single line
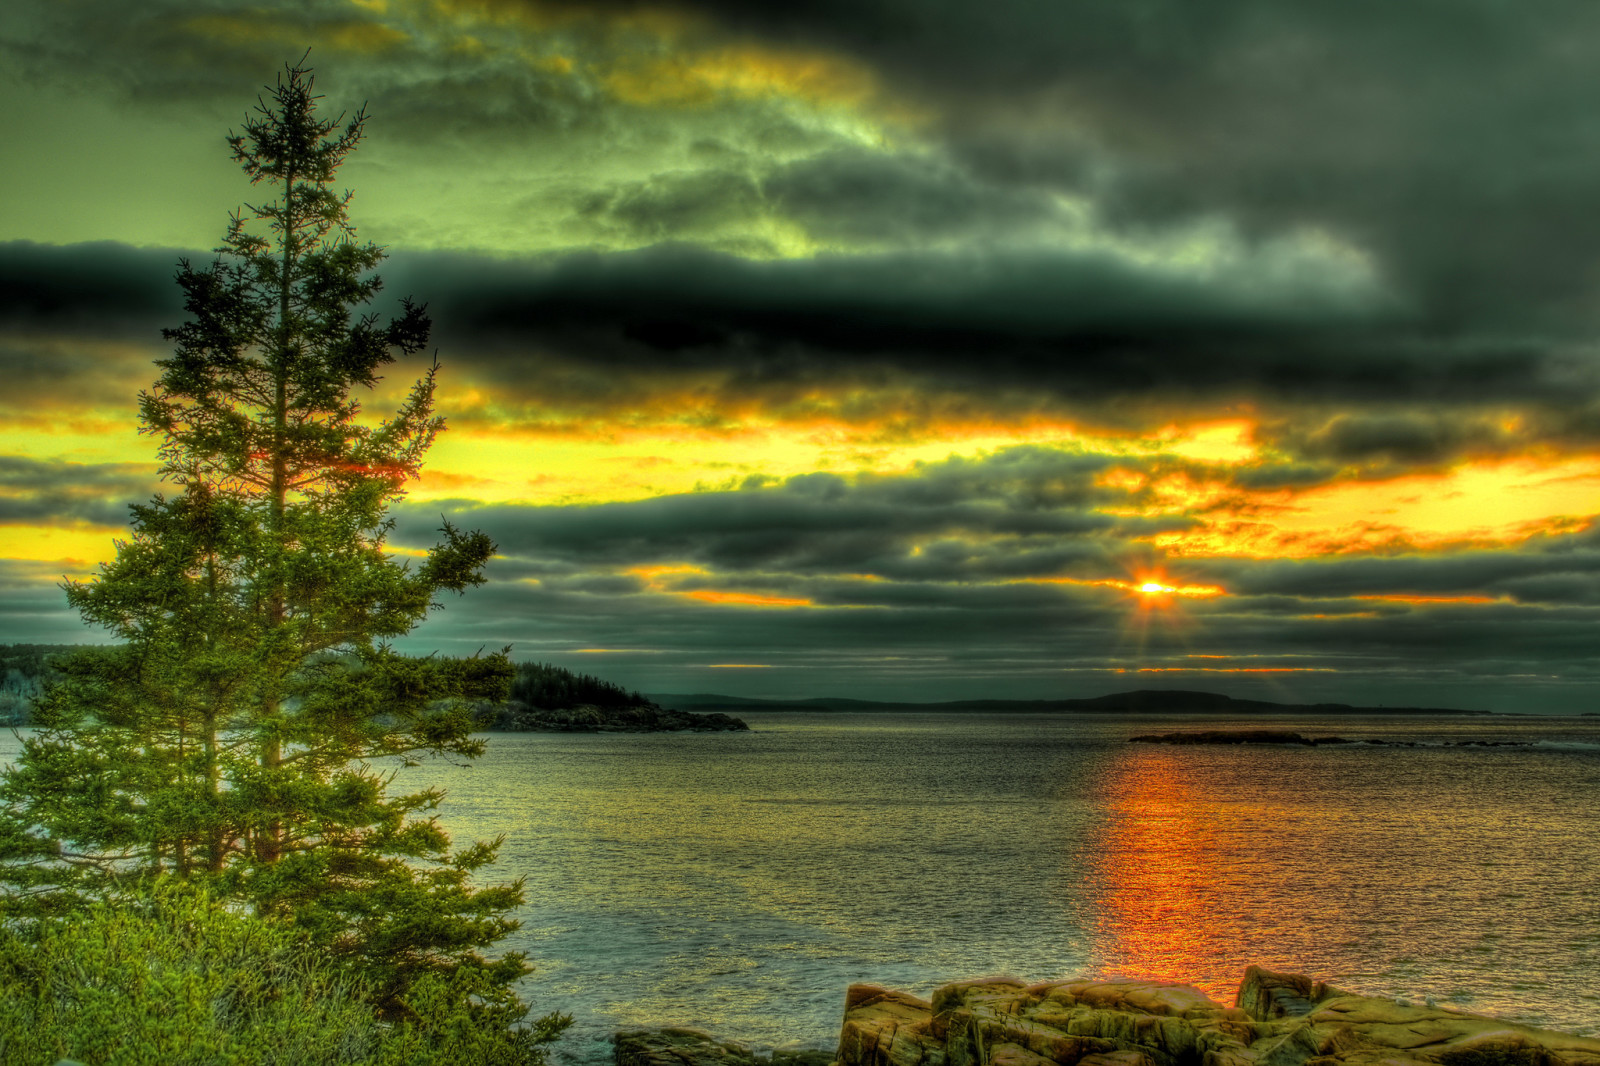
[(1158, 590), (1153, 594)]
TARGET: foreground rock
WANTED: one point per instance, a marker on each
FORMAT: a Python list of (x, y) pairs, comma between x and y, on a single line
[(1279, 1020), (512, 717)]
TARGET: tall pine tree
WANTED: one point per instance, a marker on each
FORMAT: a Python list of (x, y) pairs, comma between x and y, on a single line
[(230, 738)]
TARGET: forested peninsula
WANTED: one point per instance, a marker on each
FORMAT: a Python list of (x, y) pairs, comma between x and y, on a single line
[(543, 698)]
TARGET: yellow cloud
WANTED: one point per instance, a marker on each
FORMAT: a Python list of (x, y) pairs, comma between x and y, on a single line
[(1482, 503), (746, 599), (1230, 670), (78, 549), (669, 579), (1230, 441), (683, 438), (1433, 601), (743, 72), (258, 27)]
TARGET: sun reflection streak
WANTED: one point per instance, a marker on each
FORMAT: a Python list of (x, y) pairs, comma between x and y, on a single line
[(1200, 860), (1157, 873)]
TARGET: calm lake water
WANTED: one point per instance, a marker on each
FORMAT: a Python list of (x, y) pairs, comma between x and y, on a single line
[(740, 882)]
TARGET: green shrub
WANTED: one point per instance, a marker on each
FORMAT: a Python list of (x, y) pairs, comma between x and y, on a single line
[(178, 980)]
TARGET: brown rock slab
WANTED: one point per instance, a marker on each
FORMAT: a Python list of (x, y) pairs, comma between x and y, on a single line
[(887, 1028), (1279, 1020), (1266, 996), (1116, 1058), (1016, 1055)]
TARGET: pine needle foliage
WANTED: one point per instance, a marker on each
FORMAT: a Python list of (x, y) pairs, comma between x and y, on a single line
[(236, 735)]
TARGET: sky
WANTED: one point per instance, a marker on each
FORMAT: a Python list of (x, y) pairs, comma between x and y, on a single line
[(895, 349)]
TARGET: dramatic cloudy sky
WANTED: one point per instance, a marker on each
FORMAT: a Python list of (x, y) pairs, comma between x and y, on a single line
[(893, 348)]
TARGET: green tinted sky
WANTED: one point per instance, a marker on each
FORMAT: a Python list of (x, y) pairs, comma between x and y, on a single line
[(897, 344)]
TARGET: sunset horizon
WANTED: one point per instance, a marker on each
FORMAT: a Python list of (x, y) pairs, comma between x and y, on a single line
[(887, 353)]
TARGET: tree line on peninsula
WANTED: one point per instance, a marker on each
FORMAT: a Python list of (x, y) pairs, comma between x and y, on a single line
[(26, 668)]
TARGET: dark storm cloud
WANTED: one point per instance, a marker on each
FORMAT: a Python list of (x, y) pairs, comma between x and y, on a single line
[(1536, 637), (1282, 475), (103, 288), (1378, 439), (1066, 322), (1545, 570), (80, 325), (1401, 437), (1448, 143), (47, 374), (46, 492), (1455, 138), (1024, 513), (676, 206), (1453, 142), (1071, 324), (863, 196)]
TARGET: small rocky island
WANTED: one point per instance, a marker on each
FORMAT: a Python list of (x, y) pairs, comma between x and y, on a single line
[(1276, 1020), (1285, 737)]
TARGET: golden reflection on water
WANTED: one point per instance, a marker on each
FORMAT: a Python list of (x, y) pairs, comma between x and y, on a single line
[(1192, 878)]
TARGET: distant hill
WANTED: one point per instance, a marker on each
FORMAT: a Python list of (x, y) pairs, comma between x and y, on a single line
[(1139, 701)]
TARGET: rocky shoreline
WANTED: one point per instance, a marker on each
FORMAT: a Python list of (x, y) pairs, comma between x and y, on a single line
[(1276, 1020)]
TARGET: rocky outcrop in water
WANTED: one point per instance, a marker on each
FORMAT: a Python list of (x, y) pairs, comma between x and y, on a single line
[(513, 717), (1281, 736), (1236, 736), (1279, 1020)]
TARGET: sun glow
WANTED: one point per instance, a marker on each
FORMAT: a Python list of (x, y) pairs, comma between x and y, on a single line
[(1157, 590)]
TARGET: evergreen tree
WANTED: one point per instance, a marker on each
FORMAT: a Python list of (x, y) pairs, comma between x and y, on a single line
[(230, 737)]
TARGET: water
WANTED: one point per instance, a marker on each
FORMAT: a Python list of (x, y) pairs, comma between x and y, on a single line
[(739, 882)]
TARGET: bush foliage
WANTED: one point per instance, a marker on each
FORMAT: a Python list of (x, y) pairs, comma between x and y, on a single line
[(179, 980)]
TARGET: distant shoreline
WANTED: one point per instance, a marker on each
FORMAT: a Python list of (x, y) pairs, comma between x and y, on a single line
[(1141, 701)]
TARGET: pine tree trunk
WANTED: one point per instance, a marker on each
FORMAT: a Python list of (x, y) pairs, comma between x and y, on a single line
[(270, 843)]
